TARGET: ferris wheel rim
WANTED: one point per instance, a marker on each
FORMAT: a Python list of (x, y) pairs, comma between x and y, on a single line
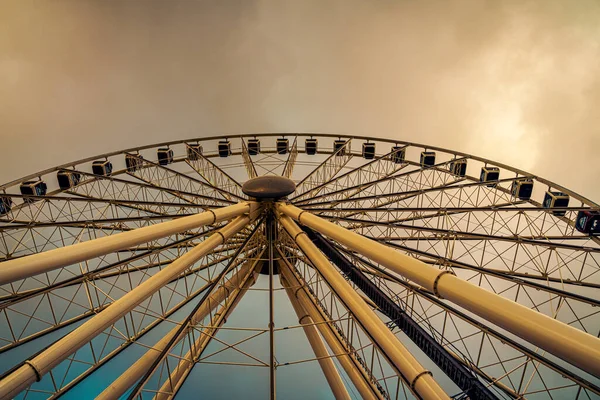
[(550, 183), (307, 203)]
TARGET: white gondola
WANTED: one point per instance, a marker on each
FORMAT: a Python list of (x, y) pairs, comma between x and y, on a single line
[(489, 174), (522, 188)]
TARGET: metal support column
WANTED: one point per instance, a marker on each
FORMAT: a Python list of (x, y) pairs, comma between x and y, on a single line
[(358, 375), (325, 361), (34, 264), (418, 378), (564, 341), (185, 365), (453, 368), (174, 336), (33, 370), (271, 233)]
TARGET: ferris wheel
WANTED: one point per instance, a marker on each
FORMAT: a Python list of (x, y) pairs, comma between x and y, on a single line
[(297, 266)]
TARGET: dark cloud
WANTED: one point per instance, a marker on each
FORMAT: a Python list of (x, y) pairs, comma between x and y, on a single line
[(515, 81)]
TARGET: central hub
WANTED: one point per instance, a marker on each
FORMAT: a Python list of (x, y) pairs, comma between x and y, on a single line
[(269, 187)]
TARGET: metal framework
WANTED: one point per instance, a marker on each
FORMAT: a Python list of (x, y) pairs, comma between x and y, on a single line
[(379, 278)]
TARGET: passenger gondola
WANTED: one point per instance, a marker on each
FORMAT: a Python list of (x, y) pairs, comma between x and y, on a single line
[(68, 179), (311, 146), (368, 150), (194, 151), (428, 158), (165, 155), (33, 188), (102, 167)]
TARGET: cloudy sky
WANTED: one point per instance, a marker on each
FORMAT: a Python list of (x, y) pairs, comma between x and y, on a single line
[(514, 81)]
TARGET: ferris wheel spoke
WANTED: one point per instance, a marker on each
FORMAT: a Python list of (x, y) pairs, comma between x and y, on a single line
[(472, 341), (37, 312), (214, 175), (120, 223), (459, 373), (19, 240), (329, 168), (113, 188), (290, 163), (566, 264), (369, 321), (48, 209), (454, 230), (478, 272), (160, 176), (358, 179), (430, 187), (175, 342), (144, 298), (418, 178), (566, 259), (250, 168), (343, 333), (392, 193)]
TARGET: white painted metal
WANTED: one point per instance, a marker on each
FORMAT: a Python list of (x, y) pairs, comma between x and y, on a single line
[(325, 361), (334, 343), (418, 378), (139, 368), (564, 341), (235, 290), (34, 264), (41, 364)]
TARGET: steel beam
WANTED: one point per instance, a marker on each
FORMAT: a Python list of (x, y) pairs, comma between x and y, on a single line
[(235, 291), (380, 273), (250, 169), (288, 169), (353, 368), (34, 264), (175, 335), (418, 378), (33, 370), (325, 361), (270, 233), (310, 185), (461, 376), (566, 342), (214, 175)]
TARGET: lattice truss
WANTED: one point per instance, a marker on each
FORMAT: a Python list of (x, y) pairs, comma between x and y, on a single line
[(228, 318)]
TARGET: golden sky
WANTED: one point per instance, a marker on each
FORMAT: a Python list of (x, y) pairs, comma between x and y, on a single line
[(514, 81)]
